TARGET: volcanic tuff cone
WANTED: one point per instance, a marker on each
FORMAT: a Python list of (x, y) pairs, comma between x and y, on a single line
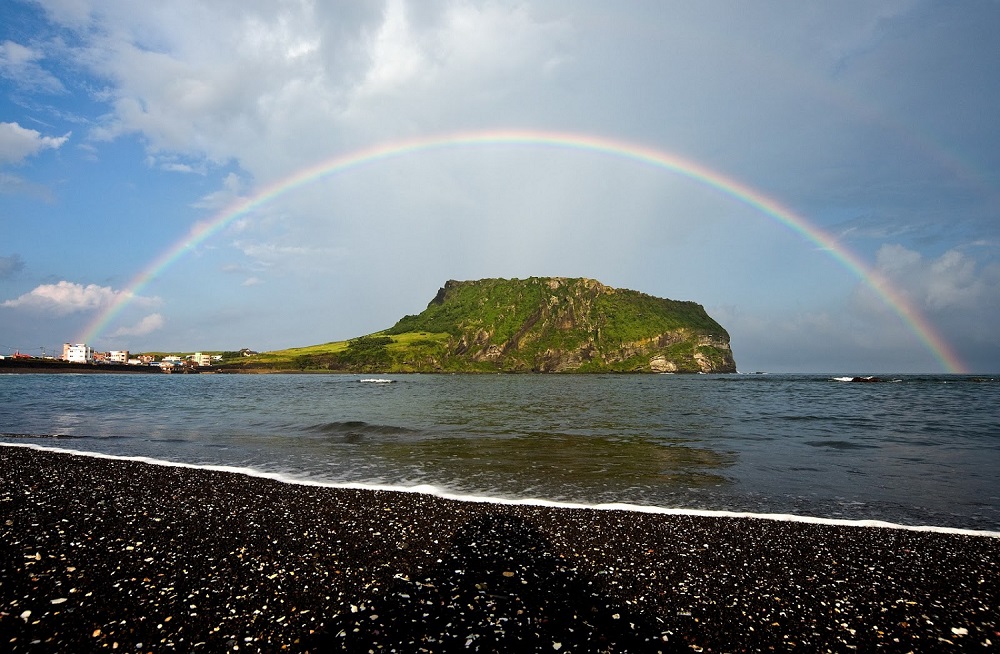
[(555, 324), (540, 324)]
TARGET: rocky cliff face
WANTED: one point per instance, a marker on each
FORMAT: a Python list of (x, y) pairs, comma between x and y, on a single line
[(556, 324)]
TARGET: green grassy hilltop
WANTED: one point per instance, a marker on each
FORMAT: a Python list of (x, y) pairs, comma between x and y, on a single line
[(540, 324)]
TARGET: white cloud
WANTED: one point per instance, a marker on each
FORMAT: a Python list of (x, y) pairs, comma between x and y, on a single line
[(20, 64), (178, 168), (173, 164), (395, 53), (215, 81), (231, 191), (266, 254), (64, 298), (71, 13), (17, 143), (952, 281), (274, 86), (434, 68), (147, 325)]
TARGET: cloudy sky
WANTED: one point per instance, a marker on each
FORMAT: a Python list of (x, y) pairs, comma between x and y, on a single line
[(126, 127)]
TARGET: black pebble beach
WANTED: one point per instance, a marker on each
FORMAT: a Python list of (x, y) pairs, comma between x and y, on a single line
[(115, 555)]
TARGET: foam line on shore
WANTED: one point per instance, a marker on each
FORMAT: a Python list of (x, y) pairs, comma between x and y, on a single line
[(426, 489)]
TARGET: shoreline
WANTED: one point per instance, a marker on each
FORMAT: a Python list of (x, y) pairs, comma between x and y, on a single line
[(433, 491), (101, 551)]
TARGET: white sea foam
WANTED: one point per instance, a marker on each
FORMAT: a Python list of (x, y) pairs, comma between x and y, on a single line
[(377, 381), (427, 489)]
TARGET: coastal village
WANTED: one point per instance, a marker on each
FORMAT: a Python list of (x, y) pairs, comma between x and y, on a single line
[(81, 353)]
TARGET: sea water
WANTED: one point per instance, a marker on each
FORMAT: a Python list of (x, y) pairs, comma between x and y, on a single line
[(914, 450)]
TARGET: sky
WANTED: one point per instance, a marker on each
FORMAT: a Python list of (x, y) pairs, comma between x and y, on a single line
[(824, 178)]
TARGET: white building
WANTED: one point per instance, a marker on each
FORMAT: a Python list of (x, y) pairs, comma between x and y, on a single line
[(79, 353), (118, 356), (202, 359)]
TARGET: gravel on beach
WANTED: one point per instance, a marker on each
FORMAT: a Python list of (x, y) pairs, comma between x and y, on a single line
[(117, 555)]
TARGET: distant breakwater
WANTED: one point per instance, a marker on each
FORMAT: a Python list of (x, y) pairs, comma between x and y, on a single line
[(47, 366)]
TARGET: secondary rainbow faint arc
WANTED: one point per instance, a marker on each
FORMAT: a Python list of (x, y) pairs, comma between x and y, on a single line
[(693, 170)]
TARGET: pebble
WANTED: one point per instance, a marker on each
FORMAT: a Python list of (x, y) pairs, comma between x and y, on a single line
[(270, 566)]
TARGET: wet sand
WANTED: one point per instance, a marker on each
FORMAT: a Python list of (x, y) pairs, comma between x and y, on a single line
[(113, 555)]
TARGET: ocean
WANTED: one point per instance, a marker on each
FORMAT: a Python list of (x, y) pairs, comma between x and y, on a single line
[(911, 450)]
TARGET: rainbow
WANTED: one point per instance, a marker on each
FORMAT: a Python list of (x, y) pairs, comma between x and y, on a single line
[(893, 299)]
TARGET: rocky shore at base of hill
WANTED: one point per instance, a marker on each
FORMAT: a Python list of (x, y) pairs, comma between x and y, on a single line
[(116, 555)]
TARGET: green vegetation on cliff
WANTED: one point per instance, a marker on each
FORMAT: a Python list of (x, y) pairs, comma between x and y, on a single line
[(544, 324)]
